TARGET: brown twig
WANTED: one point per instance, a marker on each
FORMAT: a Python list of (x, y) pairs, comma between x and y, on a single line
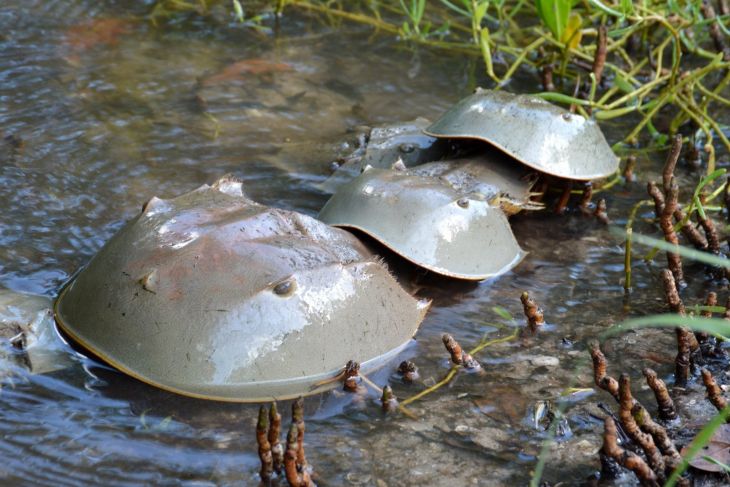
[(714, 392), (671, 163), (664, 402), (546, 77), (599, 60), (690, 232), (713, 239), (626, 458), (667, 225), (658, 197)]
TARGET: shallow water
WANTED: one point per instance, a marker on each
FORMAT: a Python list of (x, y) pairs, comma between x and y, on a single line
[(109, 121)]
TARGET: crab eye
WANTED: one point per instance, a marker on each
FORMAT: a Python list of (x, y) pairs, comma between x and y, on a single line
[(406, 148), (285, 288), (463, 202)]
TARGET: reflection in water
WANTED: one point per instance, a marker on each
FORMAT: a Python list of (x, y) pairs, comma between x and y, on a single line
[(100, 115)]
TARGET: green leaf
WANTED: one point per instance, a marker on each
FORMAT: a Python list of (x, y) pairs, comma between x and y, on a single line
[(503, 313), (480, 12), (704, 257), (554, 14), (714, 326), (606, 10), (238, 9)]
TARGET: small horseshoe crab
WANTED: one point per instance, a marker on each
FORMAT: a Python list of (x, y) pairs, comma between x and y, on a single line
[(448, 216), (538, 134), (381, 146), (214, 296)]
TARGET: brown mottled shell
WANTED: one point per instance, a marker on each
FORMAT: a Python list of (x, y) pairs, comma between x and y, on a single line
[(214, 296), (533, 131)]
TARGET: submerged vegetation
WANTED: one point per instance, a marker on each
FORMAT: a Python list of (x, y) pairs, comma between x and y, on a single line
[(662, 65)]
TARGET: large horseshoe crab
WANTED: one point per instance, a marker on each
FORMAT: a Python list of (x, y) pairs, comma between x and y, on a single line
[(536, 133), (444, 216), (214, 296)]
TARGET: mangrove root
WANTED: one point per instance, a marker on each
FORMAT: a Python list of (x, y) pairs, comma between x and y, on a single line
[(667, 412), (533, 312), (626, 458), (459, 356), (408, 371), (262, 430), (277, 450), (296, 475), (601, 212), (388, 401), (644, 440), (714, 392), (352, 376), (605, 382)]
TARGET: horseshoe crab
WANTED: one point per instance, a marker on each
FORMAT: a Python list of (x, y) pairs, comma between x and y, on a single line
[(214, 296), (381, 146), (536, 133), (444, 216)]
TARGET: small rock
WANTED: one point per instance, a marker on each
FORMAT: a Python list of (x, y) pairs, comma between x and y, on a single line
[(544, 361)]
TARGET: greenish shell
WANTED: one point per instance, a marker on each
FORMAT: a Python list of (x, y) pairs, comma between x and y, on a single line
[(533, 131), (214, 296), (443, 216)]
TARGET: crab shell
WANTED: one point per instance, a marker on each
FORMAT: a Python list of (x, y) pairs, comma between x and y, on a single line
[(533, 131), (442, 216), (214, 296), (387, 144)]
